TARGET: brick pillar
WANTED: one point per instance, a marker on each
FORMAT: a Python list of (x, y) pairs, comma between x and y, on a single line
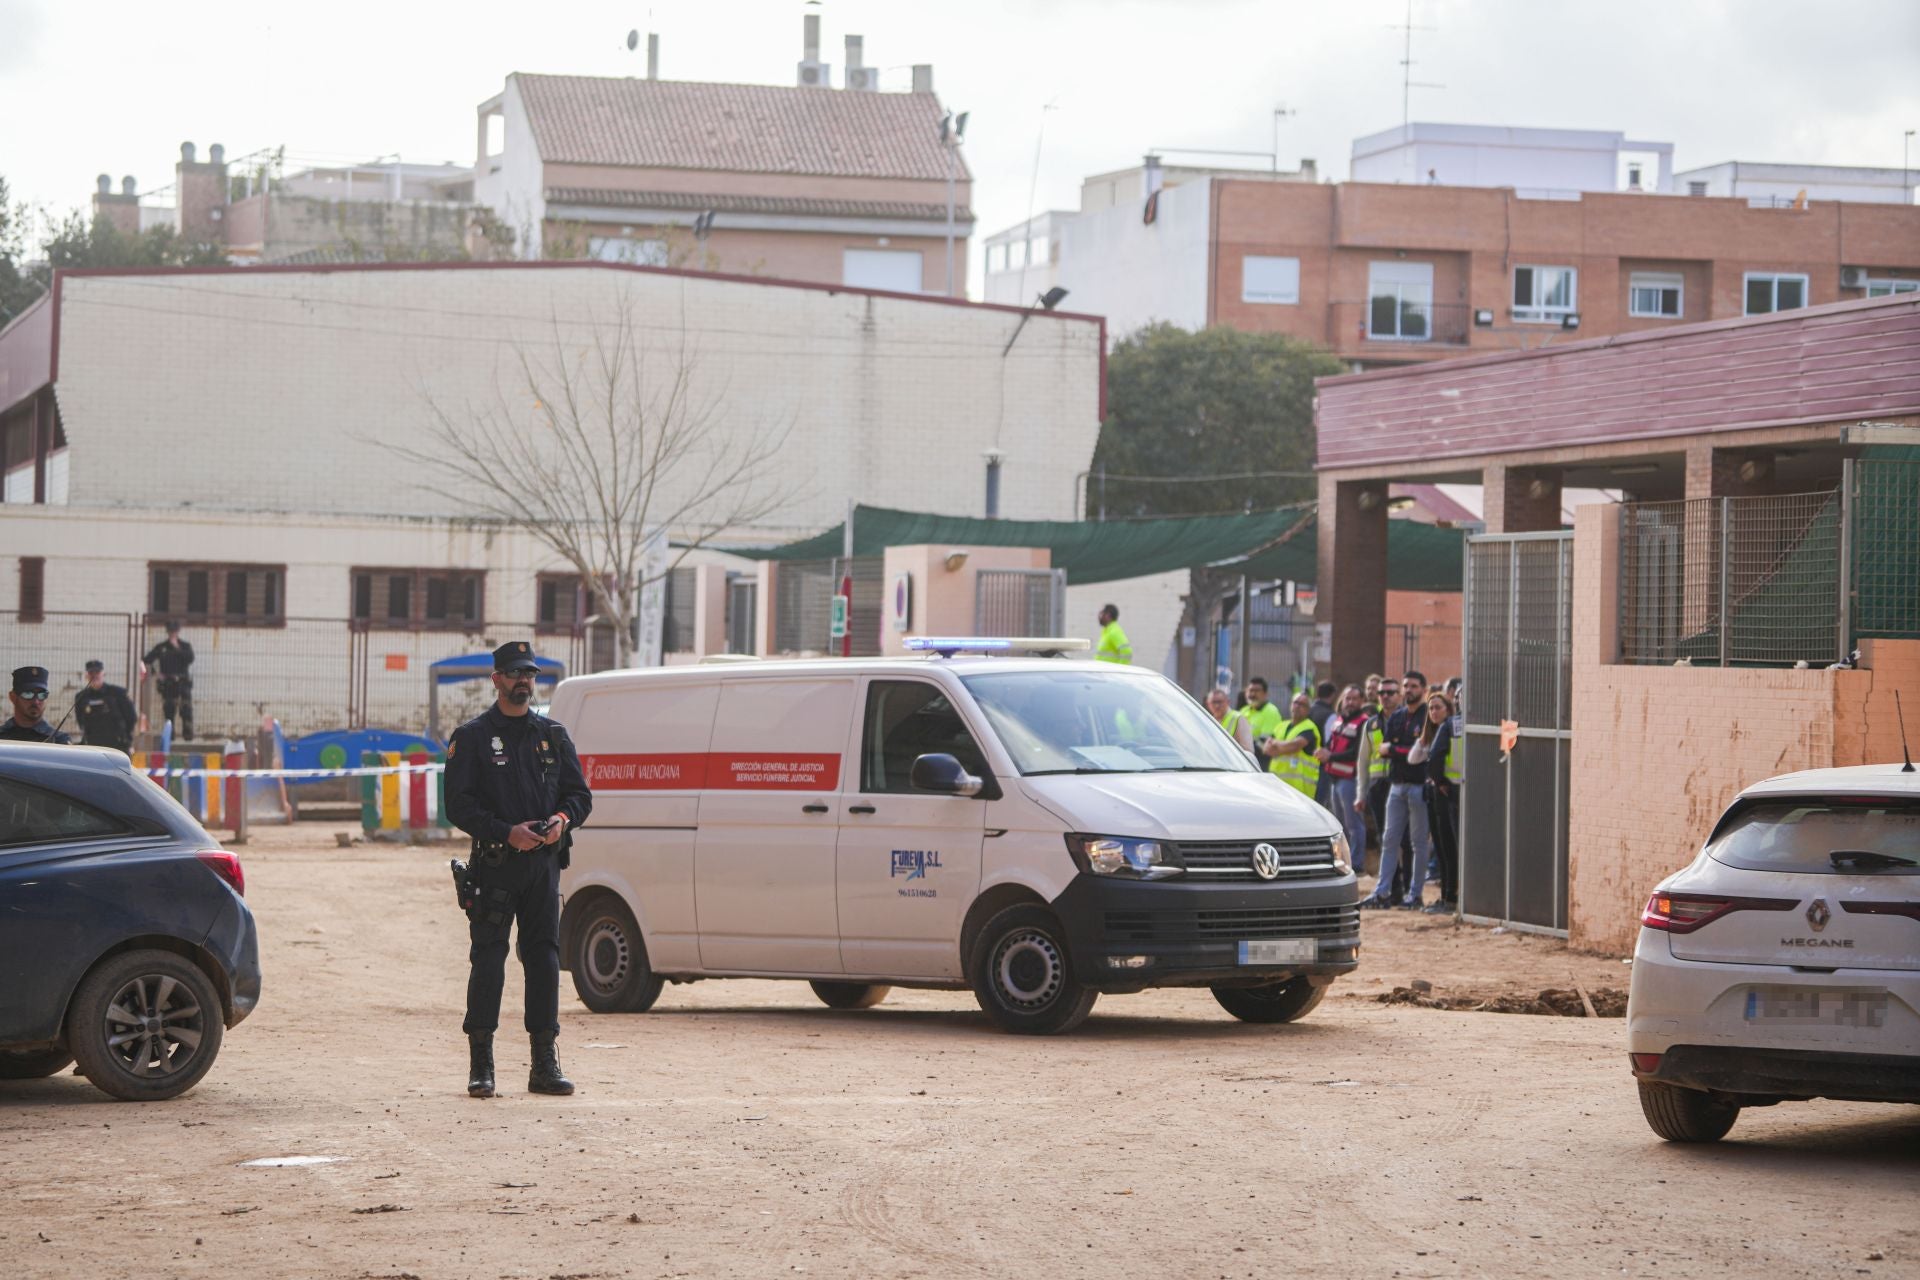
[(1352, 552), (1520, 499)]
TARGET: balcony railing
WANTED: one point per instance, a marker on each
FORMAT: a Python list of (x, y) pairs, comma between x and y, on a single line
[(1388, 320)]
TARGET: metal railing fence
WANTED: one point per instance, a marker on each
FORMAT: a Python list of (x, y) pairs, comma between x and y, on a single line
[(1753, 581), (1020, 602)]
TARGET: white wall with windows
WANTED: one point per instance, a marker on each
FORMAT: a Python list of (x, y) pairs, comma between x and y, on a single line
[(1134, 272)]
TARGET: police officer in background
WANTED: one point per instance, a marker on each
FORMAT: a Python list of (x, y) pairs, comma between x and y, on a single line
[(172, 660), (28, 723), (514, 784), (103, 712)]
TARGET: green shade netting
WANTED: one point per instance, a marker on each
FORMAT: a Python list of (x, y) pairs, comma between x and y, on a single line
[(1263, 544)]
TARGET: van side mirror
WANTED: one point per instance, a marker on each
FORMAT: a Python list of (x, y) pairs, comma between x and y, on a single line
[(940, 772)]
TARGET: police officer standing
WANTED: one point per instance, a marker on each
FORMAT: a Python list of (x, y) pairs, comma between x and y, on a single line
[(28, 723), (172, 658), (514, 784), (103, 712)]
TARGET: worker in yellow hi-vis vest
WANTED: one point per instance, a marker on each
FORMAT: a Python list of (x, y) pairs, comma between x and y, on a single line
[(1114, 645)]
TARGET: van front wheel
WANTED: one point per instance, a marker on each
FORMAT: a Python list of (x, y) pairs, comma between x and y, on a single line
[(610, 969), (849, 995), (1022, 977)]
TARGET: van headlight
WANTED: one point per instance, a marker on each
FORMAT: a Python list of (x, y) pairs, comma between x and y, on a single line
[(1342, 854), (1120, 856)]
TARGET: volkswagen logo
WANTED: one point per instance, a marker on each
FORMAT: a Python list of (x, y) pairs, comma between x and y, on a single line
[(1817, 914), (1266, 861)]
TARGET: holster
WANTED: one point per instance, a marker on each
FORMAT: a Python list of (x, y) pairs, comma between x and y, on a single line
[(483, 904)]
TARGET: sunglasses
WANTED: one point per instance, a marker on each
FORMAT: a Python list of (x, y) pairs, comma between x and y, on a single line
[(31, 695)]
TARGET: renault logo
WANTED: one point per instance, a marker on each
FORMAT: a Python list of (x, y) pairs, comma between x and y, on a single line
[(1266, 861), (1818, 915)]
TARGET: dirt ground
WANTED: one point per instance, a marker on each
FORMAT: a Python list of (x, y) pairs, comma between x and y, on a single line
[(743, 1129)]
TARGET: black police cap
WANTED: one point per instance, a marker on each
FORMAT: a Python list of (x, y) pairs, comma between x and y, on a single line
[(514, 655), (94, 665), (29, 679)]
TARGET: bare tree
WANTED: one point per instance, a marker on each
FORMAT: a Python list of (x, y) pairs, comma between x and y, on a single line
[(604, 450)]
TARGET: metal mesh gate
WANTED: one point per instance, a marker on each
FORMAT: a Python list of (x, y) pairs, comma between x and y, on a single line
[(1519, 646), (1020, 602)]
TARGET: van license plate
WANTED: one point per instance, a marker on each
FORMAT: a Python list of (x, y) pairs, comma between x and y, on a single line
[(1280, 951), (1813, 1007)]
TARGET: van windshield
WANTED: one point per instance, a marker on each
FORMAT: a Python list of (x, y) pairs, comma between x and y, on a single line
[(1086, 721)]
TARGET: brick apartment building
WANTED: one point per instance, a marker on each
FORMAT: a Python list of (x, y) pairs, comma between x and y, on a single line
[(846, 186), (1497, 239)]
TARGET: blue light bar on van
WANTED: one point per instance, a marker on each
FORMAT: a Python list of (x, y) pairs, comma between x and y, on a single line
[(994, 644)]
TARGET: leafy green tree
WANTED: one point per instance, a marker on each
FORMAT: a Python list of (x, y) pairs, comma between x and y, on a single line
[(1218, 402), (17, 289)]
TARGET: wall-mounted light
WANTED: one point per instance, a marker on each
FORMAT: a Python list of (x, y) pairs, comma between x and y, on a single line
[(1537, 488), (955, 558), (1368, 499), (1570, 321), (1483, 318)]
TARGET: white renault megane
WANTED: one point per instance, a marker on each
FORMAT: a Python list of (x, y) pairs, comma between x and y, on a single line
[(1783, 963)]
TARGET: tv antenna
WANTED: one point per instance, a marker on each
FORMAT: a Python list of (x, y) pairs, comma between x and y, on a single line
[(1407, 83), (1279, 113)]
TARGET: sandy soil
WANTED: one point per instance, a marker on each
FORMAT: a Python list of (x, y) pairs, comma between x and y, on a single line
[(742, 1129)]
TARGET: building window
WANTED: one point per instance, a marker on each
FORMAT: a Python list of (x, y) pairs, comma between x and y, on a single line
[(1400, 301), (419, 599), (1772, 291), (1544, 294), (642, 253), (996, 257), (1696, 188), (232, 595), (1654, 293), (1887, 288), (1016, 254), (897, 270), (33, 583), (560, 600), (1270, 280), (1039, 253)]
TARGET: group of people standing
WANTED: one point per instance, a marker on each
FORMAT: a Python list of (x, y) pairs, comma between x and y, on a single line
[(103, 714), (1387, 750)]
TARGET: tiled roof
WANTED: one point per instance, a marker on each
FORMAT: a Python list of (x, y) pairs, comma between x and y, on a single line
[(799, 206), (745, 128)]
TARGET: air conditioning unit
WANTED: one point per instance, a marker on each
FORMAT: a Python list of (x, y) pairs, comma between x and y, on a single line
[(1853, 277), (815, 75), (863, 78)]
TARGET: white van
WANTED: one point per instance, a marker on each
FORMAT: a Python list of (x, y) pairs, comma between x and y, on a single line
[(1036, 829)]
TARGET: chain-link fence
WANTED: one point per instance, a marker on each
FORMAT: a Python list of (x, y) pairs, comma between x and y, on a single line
[(1519, 630), (64, 642), (1731, 581)]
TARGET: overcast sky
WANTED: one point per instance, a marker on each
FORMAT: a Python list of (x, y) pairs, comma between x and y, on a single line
[(116, 87)]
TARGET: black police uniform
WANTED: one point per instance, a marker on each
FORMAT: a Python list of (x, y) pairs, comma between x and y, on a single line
[(32, 680), (175, 663), (105, 716), (501, 771)]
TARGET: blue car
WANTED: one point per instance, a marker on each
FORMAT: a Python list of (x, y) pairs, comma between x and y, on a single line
[(125, 942)]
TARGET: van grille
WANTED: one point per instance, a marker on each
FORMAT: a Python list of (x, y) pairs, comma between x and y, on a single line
[(1231, 861), (1233, 926)]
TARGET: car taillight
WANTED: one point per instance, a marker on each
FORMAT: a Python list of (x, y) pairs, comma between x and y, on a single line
[(1645, 1063), (1685, 912), (227, 867)]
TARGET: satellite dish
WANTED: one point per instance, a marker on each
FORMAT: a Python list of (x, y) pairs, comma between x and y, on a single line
[(633, 39)]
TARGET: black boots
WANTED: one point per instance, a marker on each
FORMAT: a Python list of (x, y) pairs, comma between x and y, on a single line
[(545, 1076), (480, 1066)]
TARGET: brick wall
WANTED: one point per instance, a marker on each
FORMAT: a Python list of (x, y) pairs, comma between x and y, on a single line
[(1659, 752)]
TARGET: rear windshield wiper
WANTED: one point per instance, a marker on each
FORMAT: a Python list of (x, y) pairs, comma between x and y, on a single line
[(1868, 858)]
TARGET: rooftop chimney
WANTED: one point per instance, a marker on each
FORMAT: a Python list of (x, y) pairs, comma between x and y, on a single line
[(186, 153), (814, 74), (200, 195), (923, 77), (216, 154), (122, 212), (104, 183), (1154, 178), (653, 56)]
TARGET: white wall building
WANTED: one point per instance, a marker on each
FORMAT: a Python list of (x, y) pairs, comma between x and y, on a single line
[(218, 445), (1783, 184), (1535, 162)]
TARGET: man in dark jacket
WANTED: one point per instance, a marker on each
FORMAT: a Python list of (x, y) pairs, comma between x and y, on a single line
[(103, 712), (1406, 801), (28, 723), (514, 784), (172, 661)]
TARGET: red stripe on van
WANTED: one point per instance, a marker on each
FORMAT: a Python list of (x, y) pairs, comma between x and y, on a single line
[(713, 771)]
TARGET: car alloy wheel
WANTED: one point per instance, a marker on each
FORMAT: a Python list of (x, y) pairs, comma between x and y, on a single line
[(154, 1026)]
